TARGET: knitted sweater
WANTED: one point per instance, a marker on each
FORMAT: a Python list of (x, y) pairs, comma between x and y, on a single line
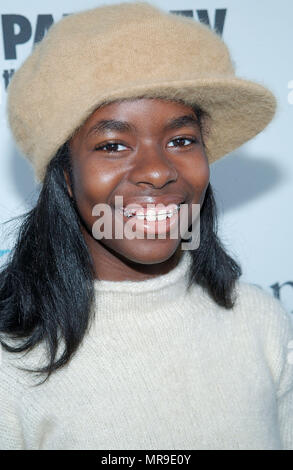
[(162, 367)]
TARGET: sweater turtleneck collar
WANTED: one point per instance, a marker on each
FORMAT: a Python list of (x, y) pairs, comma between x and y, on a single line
[(114, 298)]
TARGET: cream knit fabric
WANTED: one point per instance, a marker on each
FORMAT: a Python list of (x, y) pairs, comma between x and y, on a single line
[(162, 368)]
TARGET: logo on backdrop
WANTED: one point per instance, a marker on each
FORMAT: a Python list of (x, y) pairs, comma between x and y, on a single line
[(18, 30)]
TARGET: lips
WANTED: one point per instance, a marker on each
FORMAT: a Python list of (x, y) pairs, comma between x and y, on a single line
[(158, 205), (152, 215)]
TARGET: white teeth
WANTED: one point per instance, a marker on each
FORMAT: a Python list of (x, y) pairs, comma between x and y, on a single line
[(151, 214), (162, 216)]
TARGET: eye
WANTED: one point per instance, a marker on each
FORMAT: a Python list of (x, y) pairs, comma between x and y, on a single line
[(110, 147), (180, 139)]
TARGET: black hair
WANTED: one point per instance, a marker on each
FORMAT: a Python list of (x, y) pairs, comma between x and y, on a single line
[(46, 285)]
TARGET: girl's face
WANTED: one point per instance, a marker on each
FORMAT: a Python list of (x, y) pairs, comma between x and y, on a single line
[(145, 150)]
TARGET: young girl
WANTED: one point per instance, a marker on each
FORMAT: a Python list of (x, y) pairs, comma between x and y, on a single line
[(121, 342)]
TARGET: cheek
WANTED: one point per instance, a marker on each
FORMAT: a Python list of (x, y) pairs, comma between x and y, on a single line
[(94, 184), (199, 177)]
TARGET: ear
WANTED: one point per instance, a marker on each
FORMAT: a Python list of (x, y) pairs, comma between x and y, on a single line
[(68, 183)]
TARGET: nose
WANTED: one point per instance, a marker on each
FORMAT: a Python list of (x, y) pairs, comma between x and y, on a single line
[(152, 166)]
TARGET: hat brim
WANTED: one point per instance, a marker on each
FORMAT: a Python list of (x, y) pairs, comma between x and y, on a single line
[(238, 109)]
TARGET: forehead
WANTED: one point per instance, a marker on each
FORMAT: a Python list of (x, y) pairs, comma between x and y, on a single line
[(135, 108)]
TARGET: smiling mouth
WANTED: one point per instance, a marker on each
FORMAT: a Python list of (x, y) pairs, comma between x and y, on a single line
[(151, 220), (152, 214)]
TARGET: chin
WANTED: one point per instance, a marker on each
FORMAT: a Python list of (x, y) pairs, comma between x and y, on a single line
[(147, 251)]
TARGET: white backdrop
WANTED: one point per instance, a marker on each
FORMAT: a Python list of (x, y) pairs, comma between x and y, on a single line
[(253, 185)]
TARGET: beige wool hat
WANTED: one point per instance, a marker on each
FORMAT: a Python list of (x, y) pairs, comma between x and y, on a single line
[(128, 50)]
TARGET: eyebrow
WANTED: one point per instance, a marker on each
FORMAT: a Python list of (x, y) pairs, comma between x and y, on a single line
[(124, 126)]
